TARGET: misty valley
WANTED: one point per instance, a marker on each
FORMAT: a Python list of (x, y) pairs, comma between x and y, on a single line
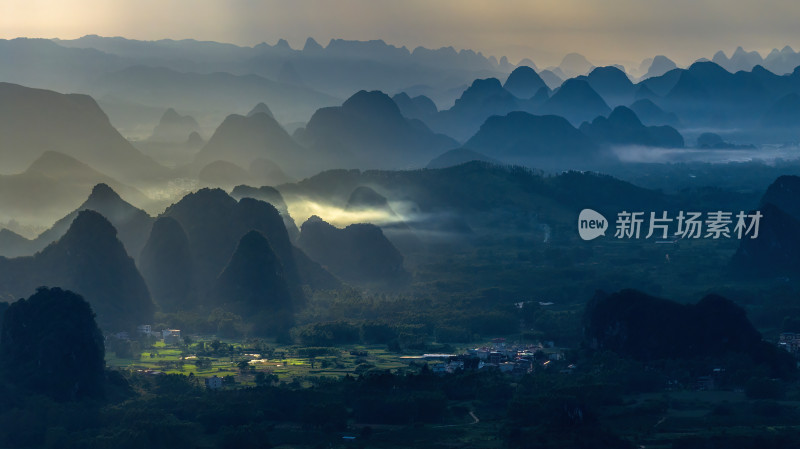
[(361, 245)]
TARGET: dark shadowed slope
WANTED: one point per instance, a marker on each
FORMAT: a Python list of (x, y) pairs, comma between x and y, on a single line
[(90, 260), (634, 324), (50, 344), (166, 265), (132, 224), (214, 223), (359, 253), (272, 196), (254, 286)]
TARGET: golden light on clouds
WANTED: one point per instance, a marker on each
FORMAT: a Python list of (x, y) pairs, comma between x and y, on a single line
[(302, 209)]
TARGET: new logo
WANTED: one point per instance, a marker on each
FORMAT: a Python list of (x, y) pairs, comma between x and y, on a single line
[(591, 224)]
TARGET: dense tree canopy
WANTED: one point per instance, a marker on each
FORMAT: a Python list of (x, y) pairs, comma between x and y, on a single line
[(50, 343)]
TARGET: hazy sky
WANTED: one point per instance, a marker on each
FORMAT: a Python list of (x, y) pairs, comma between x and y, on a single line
[(606, 31)]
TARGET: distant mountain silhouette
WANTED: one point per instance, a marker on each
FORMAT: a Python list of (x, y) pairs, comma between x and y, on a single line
[(707, 95), (195, 141), (419, 107), (690, 88), (739, 60), (241, 140), (612, 84), (576, 101), (782, 61), (166, 265), (34, 121), (575, 64), (550, 78), (524, 82), (369, 131), (254, 286), (366, 198), (457, 157), (260, 108), (660, 65), (504, 64), (622, 127), (483, 99), (14, 245), (87, 259), (658, 86), (174, 127), (709, 140), (165, 87), (715, 141), (52, 186), (541, 141), (643, 67), (132, 224), (46, 64), (359, 253), (527, 62), (634, 324), (650, 114), (338, 68), (272, 196), (311, 45)]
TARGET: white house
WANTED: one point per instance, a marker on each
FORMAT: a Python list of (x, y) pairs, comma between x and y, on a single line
[(214, 383), (171, 336)]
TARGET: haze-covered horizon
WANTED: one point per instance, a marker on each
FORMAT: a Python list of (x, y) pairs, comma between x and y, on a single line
[(615, 32)]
